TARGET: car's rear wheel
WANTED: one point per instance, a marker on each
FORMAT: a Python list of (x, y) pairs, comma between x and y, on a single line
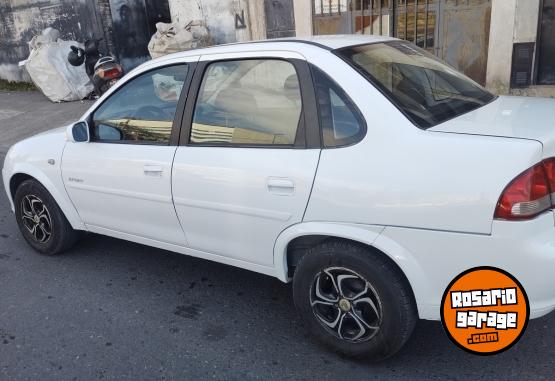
[(41, 221), (354, 300)]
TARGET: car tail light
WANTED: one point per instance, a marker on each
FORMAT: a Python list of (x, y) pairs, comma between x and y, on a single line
[(549, 165), (110, 73), (530, 194)]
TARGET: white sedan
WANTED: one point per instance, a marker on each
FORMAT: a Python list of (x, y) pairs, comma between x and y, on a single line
[(360, 168)]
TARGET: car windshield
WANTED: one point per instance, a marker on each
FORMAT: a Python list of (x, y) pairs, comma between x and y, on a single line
[(426, 90)]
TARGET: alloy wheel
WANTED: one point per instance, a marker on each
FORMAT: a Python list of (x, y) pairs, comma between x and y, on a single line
[(36, 218), (346, 304)]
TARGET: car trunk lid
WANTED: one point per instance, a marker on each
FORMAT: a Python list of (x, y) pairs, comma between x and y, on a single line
[(510, 117)]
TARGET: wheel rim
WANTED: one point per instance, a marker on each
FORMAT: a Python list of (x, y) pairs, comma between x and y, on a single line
[(346, 304), (36, 218)]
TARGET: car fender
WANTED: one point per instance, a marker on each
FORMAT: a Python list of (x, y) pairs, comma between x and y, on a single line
[(413, 271), (366, 234), (370, 235), (59, 195), (41, 157)]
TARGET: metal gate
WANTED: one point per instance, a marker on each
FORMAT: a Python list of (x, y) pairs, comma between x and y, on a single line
[(416, 21), (454, 30), (546, 45)]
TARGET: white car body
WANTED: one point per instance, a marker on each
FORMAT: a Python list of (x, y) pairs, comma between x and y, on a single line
[(425, 198)]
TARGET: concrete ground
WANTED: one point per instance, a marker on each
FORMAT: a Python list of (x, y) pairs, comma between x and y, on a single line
[(116, 310)]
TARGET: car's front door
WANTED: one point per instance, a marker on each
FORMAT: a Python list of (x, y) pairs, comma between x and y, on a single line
[(248, 154), (120, 181)]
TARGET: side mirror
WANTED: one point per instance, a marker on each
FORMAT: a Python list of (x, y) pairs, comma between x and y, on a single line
[(78, 133)]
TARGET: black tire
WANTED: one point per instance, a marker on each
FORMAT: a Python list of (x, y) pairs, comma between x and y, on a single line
[(29, 199), (358, 269)]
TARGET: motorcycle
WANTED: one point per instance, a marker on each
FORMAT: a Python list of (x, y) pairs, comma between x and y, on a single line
[(104, 71)]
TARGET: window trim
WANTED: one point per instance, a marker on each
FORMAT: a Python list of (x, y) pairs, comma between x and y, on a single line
[(179, 109), (352, 106), (308, 135)]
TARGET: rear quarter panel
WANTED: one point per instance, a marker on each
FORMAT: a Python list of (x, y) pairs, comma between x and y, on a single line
[(400, 175), (421, 180)]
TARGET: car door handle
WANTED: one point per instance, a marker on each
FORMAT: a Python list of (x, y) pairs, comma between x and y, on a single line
[(281, 186), (153, 169)]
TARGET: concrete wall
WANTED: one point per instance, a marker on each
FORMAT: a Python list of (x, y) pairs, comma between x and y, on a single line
[(227, 20), (526, 20), (303, 17), (498, 76), (20, 20), (512, 21)]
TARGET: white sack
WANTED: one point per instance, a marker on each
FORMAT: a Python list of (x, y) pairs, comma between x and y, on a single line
[(200, 33), (49, 70), (172, 38)]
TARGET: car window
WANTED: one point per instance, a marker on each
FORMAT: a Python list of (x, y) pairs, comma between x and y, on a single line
[(247, 102), (340, 120), (428, 91), (142, 110)]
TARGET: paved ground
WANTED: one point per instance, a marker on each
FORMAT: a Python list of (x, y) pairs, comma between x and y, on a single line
[(115, 310)]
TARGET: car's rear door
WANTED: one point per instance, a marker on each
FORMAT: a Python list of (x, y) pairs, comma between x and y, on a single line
[(248, 153), (120, 181)]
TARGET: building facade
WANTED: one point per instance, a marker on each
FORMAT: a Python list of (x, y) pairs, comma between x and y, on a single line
[(525, 63), (126, 26), (20, 20), (507, 45)]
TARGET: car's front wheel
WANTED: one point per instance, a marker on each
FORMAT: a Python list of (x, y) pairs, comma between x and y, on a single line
[(41, 221), (354, 300)]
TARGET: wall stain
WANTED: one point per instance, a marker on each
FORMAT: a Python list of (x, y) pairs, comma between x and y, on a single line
[(76, 20)]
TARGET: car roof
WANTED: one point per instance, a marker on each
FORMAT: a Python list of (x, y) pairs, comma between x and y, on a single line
[(330, 42), (341, 40)]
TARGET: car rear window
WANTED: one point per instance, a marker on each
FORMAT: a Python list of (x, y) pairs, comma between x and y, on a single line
[(425, 89)]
